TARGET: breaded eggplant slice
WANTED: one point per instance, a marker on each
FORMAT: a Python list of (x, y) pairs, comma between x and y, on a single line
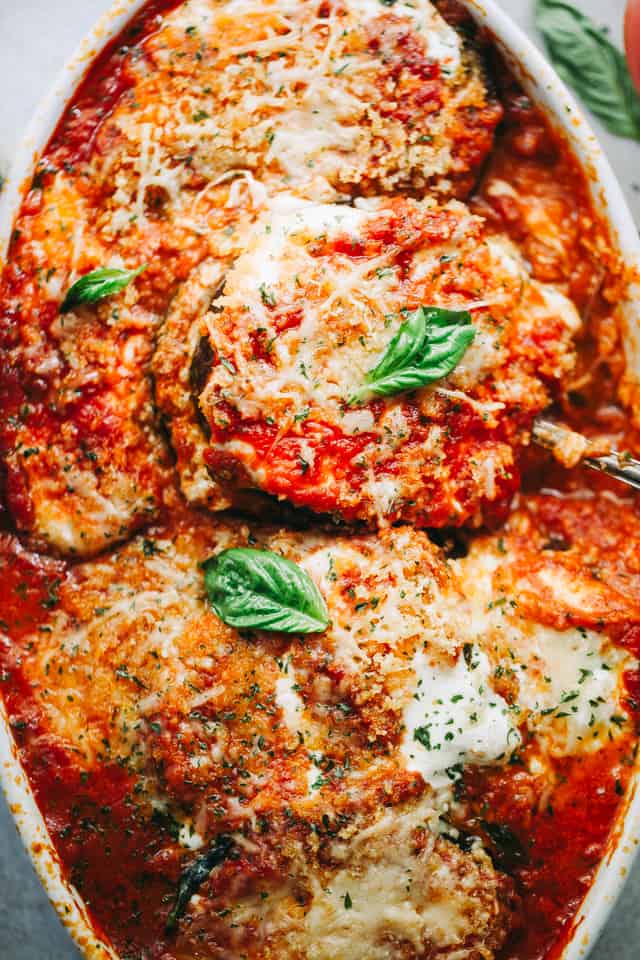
[(323, 95), (308, 313)]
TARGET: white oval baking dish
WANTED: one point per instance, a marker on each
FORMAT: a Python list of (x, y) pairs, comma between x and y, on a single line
[(545, 87)]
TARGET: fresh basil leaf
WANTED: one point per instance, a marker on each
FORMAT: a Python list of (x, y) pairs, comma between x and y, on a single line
[(589, 63), (427, 347), (195, 875), (260, 590), (100, 283)]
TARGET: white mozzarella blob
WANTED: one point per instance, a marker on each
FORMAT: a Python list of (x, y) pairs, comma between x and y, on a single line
[(454, 718), (570, 682)]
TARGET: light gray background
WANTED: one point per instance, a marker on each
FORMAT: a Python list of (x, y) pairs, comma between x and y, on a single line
[(36, 37)]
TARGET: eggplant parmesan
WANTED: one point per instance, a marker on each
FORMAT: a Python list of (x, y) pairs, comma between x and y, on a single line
[(316, 302), (342, 765), (325, 253), (329, 96), (221, 104)]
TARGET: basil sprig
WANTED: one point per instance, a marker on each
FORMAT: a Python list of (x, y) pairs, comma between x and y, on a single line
[(260, 590), (589, 63), (427, 347), (100, 283), (195, 875)]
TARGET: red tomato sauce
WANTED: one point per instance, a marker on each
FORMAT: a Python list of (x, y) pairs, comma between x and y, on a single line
[(125, 869), (107, 80), (562, 839), (115, 855), (110, 851), (289, 473)]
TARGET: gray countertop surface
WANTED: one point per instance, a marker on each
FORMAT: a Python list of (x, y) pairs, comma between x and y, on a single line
[(36, 37)]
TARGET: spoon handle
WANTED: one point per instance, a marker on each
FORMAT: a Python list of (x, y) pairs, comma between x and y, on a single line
[(571, 448), (618, 465)]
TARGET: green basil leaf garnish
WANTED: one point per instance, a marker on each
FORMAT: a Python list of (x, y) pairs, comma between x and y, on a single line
[(100, 283), (589, 63), (195, 875), (260, 590), (427, 347)]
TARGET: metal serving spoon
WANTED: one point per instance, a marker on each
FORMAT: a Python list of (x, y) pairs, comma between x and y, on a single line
[(571, 448)]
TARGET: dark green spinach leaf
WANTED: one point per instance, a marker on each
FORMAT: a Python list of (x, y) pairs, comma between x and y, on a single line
[(195, 875), (509, 852)]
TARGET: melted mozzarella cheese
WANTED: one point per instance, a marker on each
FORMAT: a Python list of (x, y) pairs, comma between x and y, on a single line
[(290, 701), (343, 334), (389, 899), (570, 682), (451, 714), (455, 718), (443, 43), (295, 96), (351, 307)]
